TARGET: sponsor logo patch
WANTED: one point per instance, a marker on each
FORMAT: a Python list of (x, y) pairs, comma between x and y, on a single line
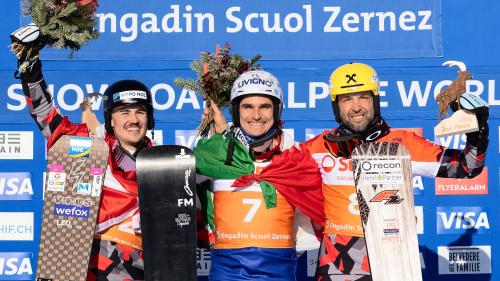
[(464, 259), (16, 186), (16, 266), (56, 181), (84, 188), (474, 186), (71, 211), (79, 147), (16, 226), (132, 94), (459, 220), (16, 145)]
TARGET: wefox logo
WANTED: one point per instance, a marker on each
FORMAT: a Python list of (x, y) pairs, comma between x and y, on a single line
[(15, 186), (71, 211), (458, 220), (16, 266)]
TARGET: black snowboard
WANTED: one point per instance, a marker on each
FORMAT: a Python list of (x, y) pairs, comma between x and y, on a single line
[(166, 176)]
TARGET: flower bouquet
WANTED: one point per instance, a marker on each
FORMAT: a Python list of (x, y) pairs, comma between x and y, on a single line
[(57, 23), (216, 74)]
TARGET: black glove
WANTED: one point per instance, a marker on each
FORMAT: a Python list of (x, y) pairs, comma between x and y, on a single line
[(27, 41), (474, 104)]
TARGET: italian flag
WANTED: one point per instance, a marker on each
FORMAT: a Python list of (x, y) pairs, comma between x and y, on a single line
[(293, 173)]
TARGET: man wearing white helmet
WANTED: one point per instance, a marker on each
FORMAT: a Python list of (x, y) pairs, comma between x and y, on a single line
[(250, 218), (355, 101)]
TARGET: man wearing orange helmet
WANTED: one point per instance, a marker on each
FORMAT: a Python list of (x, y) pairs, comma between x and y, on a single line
[(355, 100)]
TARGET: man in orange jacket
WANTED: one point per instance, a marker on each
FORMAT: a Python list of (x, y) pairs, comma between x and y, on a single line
[(355, 101)]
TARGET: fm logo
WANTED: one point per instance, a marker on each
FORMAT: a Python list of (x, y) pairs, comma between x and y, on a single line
[(16, 266), (15, 186), (185, 202), (389, 196), (459, 220)]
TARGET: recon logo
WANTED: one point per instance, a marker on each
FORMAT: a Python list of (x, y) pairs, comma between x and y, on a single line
[(381, 165)]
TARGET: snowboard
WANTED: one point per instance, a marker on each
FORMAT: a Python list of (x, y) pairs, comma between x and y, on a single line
[(166, 176), (74, 177), (382, 174)]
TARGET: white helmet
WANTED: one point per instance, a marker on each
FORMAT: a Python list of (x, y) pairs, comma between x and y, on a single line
[(256, 82)]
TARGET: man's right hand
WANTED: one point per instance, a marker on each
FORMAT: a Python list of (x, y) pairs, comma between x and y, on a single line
[(27, 34), (219, 119), (27, 41)]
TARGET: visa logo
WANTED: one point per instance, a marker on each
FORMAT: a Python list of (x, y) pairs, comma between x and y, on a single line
[(186, 138), (71, 211), (16, 186), (459, 220), (16, 266), (418, 185), (453, 142), (79, 147)]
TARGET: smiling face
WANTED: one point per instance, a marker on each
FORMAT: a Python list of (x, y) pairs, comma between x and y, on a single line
[(356, 110), (256, 115), (129, 123)]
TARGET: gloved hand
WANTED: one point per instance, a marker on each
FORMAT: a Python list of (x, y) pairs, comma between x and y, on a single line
[(27, 41), (474, 104)]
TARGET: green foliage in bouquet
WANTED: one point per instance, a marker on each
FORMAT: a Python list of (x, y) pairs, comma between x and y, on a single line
[(216, 74), (64, 23)]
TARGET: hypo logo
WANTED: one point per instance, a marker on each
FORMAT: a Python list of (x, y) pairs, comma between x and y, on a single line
[(15, 186), (16, 266), (79, 147), (133, 94), (381, 165), (459, 220)]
